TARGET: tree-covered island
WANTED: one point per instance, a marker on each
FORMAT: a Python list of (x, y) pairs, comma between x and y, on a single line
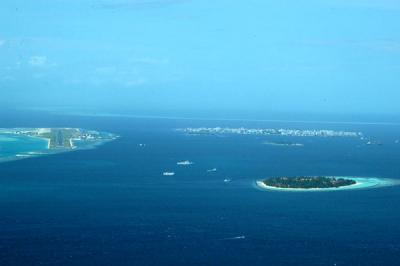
[(308, 182)]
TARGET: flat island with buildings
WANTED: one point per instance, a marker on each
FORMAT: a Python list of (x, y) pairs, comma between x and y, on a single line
[(269, 131), (62, 138), (29, 142)]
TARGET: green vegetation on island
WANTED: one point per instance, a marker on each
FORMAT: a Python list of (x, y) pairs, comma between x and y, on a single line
[(308, 182), (61, 137)]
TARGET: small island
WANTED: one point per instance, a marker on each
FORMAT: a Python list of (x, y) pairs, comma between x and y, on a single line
[(283, 143), (307, 182), (323, 183)]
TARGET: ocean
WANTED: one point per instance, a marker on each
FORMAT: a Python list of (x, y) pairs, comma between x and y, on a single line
[(112, 206)]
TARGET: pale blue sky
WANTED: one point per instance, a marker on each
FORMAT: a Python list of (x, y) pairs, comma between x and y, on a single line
[(332, 56)]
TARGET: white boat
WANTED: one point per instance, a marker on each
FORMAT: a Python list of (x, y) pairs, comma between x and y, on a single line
[(185, 163), (169, 173)]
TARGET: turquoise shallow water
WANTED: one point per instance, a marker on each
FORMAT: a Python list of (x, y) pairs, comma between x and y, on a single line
[(15, 146)]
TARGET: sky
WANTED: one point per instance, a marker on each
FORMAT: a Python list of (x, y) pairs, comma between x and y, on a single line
[(331, 56)]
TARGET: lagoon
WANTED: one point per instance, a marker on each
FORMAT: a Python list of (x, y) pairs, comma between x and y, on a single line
[(13, 146)]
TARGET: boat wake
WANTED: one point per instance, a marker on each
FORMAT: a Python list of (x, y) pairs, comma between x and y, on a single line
[(234, 238)]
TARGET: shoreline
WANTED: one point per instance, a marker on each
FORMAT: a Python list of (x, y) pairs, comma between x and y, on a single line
[(361, 183), (42, 138)]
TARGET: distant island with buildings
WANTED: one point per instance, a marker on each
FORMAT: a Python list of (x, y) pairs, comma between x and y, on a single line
[(270, 131)]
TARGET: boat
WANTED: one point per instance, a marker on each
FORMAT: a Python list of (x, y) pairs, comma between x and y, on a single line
[(185, 163), (169, 173)]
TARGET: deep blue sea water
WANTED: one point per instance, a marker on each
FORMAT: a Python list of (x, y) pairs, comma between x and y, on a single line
[(112, 206)]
